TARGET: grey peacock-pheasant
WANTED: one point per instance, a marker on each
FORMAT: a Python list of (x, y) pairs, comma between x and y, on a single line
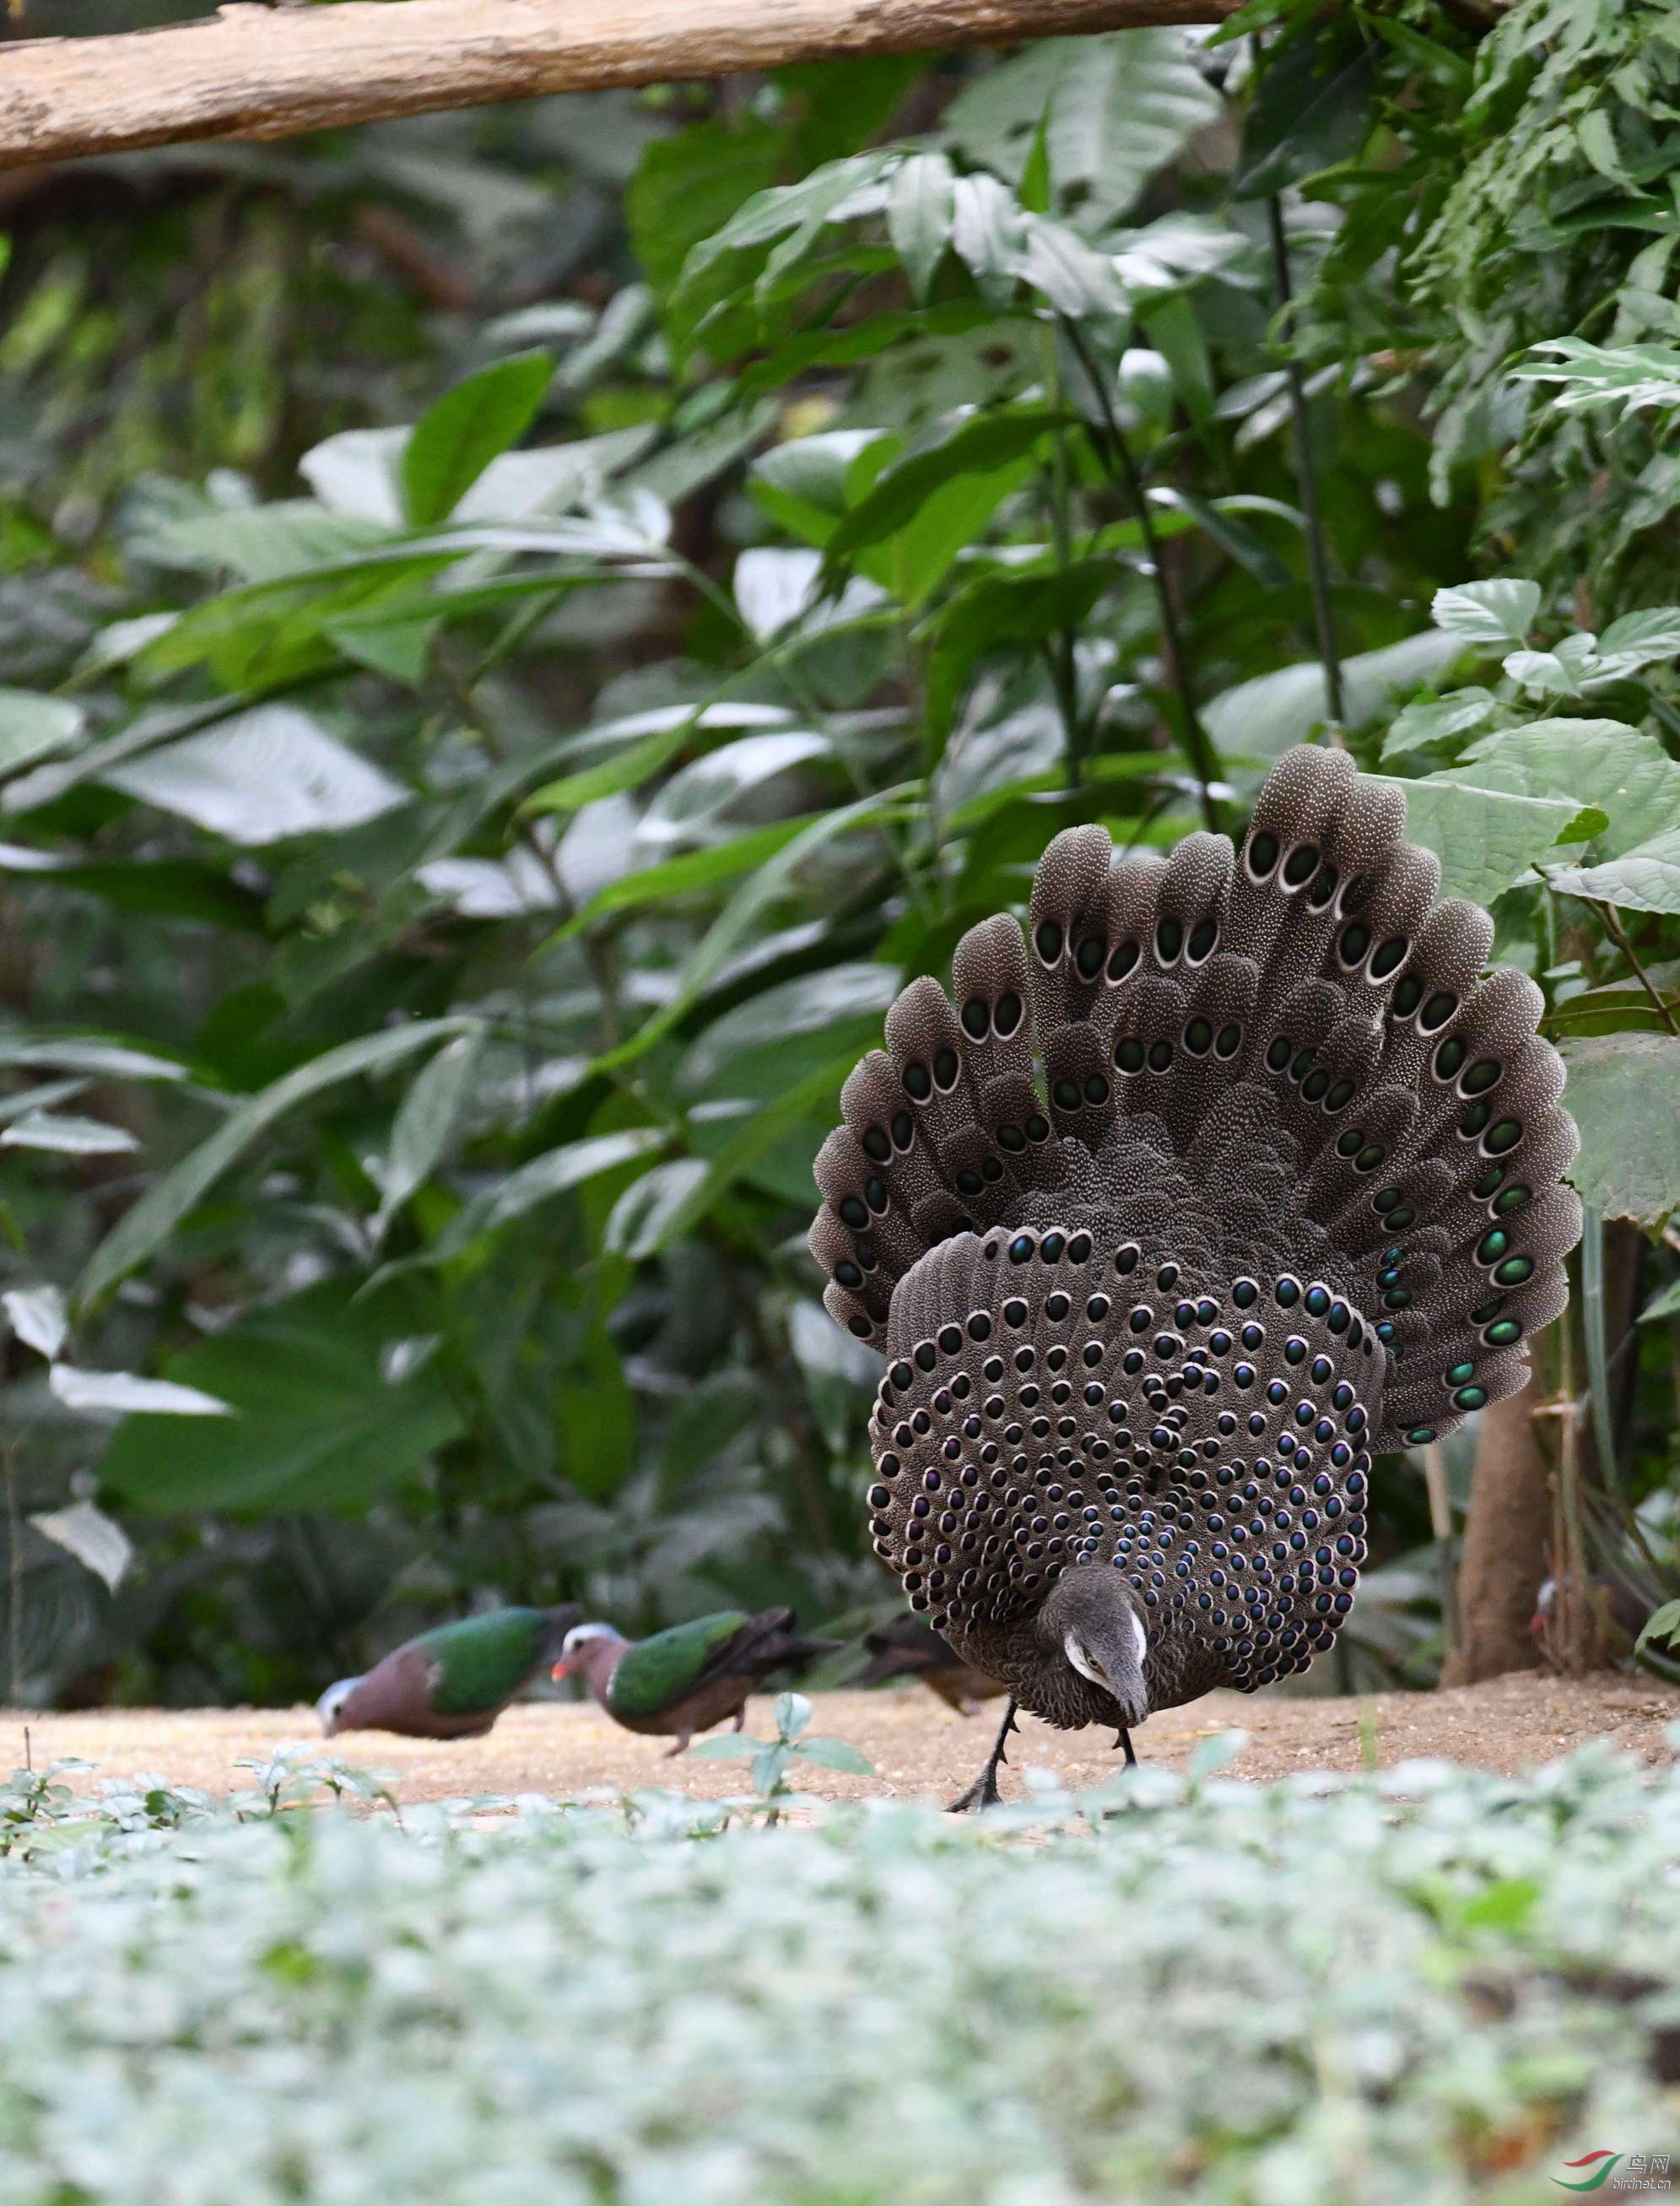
[(1291, 1197)]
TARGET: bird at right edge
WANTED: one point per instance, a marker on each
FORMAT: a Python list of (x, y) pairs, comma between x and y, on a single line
[(1288, 1196)]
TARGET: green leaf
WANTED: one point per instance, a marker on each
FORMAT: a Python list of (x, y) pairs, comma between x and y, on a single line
[(1634, 377), (1259, 720), (456, 440), (1113, 111), (33, 727), (1434, 720), (261, 775), (835, 1754), (1627, 775), (677, 877), (920, 209), (1665, 1304), (1620, 1092), (38, 1316), (142, 1232), (975, 443), (1484, 838), (108, 1394), (1645, 879), (687, 185), (1312, 110), (66, 1136), (540, 1181), (1662, 1624), (1003, 611), (1500, 611), (421, 1131), (332, 1411), (653, 1208)]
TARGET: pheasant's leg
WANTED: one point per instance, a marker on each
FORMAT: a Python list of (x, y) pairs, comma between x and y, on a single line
[(681, 1747), (741, 1717), (1124, 1737), (983, 1793)]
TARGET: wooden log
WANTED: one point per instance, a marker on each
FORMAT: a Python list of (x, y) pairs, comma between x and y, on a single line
[(259, 72)]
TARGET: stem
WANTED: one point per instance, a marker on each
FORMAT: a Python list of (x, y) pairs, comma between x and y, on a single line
[(1317, 562), (1618, 935), (15, 1589), (1063, 671), (1440, 1523), (1573, 1608), (1117, 456)]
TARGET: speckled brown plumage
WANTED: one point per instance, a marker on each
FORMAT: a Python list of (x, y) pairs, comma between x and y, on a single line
[(1234, 1170)]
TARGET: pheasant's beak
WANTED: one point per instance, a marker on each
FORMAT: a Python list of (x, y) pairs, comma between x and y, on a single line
[(562, 1669)]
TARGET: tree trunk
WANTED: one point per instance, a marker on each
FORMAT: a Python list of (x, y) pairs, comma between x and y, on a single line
[(1507, 1546)]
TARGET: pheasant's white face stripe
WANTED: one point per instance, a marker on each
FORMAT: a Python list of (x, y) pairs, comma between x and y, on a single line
[(1143, 1637), (1081, 1662)]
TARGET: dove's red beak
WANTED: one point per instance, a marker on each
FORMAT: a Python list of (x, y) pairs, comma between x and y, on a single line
[(562, 1669)]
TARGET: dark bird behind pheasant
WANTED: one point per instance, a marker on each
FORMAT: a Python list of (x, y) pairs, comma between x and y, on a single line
[(1289, 1196)]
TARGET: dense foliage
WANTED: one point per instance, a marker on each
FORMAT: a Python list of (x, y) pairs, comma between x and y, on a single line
[(525, 633), (270, 2005)]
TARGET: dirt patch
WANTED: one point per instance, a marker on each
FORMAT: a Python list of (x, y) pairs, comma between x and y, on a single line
[(919, 1747)]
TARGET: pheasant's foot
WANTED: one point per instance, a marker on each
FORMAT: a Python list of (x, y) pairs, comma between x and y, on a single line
[(983, 1793)]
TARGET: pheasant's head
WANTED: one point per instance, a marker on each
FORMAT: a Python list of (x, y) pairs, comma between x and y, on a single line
[(1092, 1620)]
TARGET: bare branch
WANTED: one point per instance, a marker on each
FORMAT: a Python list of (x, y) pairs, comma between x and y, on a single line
[(257, 72)]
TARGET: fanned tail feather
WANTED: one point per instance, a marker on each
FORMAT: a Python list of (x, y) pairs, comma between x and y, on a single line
[(1283, 1058)]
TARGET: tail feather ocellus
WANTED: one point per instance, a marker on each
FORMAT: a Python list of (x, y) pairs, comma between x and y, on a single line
[(1231, 1171)]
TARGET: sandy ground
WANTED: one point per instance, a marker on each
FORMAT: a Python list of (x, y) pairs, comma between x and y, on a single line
[(917, 1746)]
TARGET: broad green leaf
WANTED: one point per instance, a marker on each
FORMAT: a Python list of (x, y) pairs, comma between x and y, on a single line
[(1620, 1092), (424, 1124), (687, 185), (835, 1754), (1665, 1304), (329, 1415), (679, 876), (33, 727), (1626, 774), (121, 1394), (654, 1207), (1484, 838), (759, 1048), (989, 233), (39, 1318), (262, 775), (1662, 1624), (97, 1542), (921, 206), (1434, 720), (1259, 720), (66, 1136), (472, 424), (802, 484), (99, 1059), (1645, 879), (699, 794), (1114, 110), (142, 1231), (1500, 611), (981, 458), (1653, 634)]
